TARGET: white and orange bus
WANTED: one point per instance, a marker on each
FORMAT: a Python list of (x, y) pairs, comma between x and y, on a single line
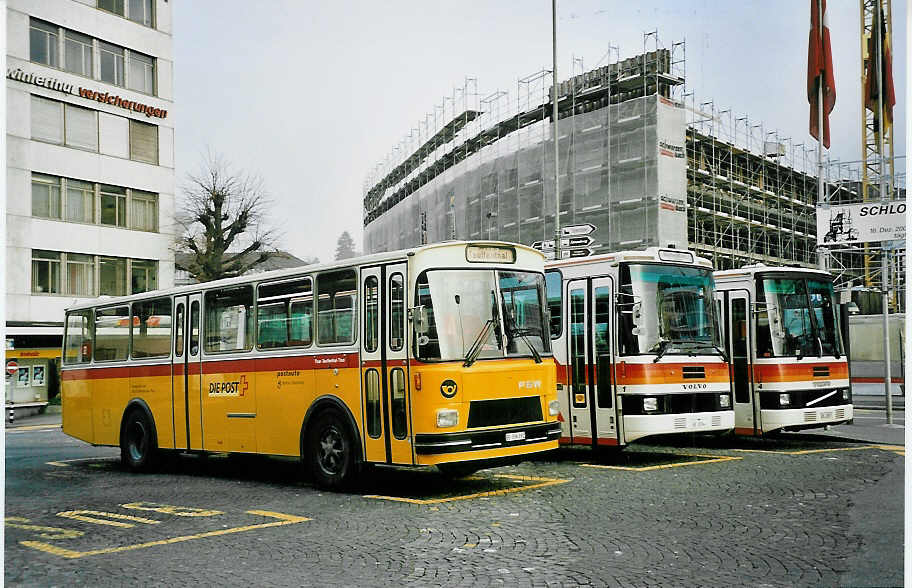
[(432, 356), (638, 347), (782, 330)]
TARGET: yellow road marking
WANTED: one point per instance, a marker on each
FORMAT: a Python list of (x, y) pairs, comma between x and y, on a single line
[(180, 511), (710, 459), (284, 519), (809, 451), (542, 482), (31, 428), (65, 463), (80, 515), (46, 532)]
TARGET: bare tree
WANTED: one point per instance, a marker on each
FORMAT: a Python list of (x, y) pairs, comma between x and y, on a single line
[(222, 221)]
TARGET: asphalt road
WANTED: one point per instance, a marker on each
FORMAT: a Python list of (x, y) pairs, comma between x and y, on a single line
[(803, 511)]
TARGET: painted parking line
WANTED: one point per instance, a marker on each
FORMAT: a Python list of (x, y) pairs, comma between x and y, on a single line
[(706, 459), (895, 448), (64, 463), (540, 483), (283, 519), (26, 428)]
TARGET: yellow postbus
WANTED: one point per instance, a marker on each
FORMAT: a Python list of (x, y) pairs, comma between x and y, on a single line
[(438, 355)]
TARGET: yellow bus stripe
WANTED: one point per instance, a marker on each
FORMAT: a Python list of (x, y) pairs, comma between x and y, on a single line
[(285, 519)]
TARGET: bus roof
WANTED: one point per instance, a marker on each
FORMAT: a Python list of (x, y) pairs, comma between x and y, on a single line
[(759, 268), (371, 259), (657, 254)]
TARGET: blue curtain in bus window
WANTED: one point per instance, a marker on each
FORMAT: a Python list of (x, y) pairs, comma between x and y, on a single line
[(602, 346), (578, 347)]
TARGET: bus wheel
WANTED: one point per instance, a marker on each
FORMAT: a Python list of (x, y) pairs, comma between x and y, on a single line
[(137, 442), (332, 456)]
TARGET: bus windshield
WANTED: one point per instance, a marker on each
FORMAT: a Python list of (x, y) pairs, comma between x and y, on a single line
[(505, 308), (800, 318), (667, 309)]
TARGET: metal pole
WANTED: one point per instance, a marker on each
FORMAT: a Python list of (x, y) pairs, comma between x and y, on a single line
[(557, 229), (885, 265), (820, 81)]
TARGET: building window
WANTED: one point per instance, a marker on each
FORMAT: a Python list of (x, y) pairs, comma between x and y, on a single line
[(115, 6), (80, 201), (45, 196), (112, 63), (43, 43), (143, 275), (141, 12), (143, 142), (80, 274), (47, 120), (143, 211), (142, 73), (78, 54), (113, 206), (81, 127), (45, 272), (112, 276)]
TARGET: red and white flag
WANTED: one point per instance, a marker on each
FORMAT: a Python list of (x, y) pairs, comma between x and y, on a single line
[(820, 71), (872, 92)]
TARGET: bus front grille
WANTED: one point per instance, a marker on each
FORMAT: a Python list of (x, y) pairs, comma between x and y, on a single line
[(504, 411)]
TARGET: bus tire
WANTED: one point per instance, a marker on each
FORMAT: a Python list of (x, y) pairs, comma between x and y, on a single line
[(331, 451), (138, 444)]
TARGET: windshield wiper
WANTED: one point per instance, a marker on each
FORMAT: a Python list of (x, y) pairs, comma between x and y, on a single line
[(475, 349), (522, 334), (662, 345)]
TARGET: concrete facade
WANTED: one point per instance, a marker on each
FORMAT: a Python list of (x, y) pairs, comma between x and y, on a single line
[(90, 113)]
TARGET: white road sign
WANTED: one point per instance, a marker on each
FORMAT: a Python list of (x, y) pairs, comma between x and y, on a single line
[(839, 224), (574, 230)]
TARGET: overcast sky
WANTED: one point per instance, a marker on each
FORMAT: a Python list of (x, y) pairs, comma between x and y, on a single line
[(312, 95)]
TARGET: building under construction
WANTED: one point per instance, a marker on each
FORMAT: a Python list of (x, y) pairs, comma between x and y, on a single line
[(641, 160)]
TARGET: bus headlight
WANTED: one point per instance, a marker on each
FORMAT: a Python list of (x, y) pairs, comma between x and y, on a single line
[(650, 404), (447, 417), (724, 401), (554, 408), (846, 394), (784, 399)]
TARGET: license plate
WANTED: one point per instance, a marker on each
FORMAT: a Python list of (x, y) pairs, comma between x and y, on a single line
[(518, 436), (826, 414)]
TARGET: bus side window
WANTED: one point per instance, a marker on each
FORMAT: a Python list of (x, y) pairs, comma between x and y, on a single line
[(229, 319), (284, 314), (396, 312), (78, 338), (336, 307), (179, 331), (554, 292), (194, 327)]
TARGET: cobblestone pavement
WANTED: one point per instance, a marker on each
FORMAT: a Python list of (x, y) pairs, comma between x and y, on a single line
[(723, 512)]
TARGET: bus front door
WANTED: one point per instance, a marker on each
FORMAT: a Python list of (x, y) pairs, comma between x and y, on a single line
[(385, 406), (747, 411), (578, 367), (602, 387), (185, 381)]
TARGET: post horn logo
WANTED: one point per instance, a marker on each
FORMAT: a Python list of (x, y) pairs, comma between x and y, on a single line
[(448, 388)]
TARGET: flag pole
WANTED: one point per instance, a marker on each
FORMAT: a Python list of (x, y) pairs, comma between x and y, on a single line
[(885, 251), (554, 113), (822, 255)]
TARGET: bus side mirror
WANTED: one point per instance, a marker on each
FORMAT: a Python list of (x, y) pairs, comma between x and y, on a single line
[(418, 316)]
